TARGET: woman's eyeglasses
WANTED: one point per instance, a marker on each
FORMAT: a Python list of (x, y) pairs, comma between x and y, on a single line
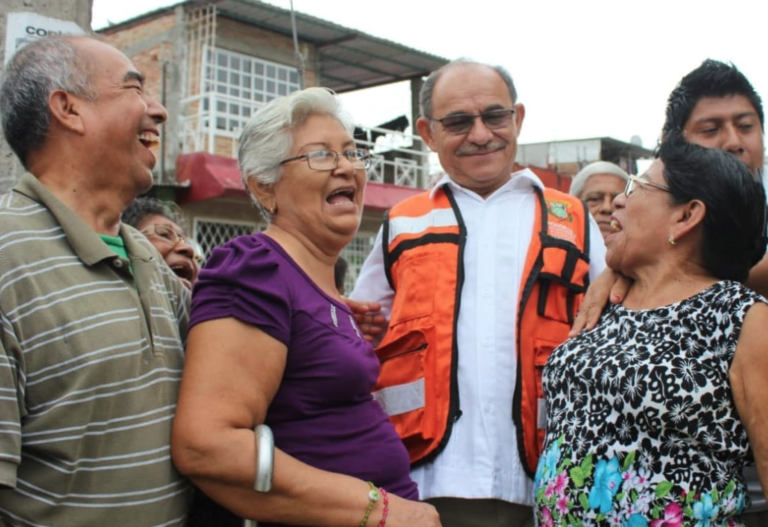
[(173, 237), (329, 159), (633, 181)]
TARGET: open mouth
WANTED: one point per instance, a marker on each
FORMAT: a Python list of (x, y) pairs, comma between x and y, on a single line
[(149, 140), (342, 196), (184, 271), (615, 225)]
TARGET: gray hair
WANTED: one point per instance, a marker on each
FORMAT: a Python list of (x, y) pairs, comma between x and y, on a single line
[(267, 139), (428, 89), (38, 69), (593, 169)]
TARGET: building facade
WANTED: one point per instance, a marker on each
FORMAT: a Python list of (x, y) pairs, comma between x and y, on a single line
[(214, 63)]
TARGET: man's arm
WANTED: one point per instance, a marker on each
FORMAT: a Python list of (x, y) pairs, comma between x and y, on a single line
[(371, 299), (11, 410)]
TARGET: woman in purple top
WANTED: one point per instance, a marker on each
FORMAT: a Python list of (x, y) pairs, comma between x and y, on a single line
[(271, 341)]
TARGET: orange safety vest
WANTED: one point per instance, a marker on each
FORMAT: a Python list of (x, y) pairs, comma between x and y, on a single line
[(423, 240)]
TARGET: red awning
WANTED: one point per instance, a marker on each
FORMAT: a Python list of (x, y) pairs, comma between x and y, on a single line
[(211, 176)]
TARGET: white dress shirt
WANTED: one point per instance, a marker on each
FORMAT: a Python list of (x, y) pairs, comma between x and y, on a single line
[(481, 458)]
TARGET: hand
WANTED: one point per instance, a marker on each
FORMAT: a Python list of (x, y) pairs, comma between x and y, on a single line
[(367, 315), (406, 513), (610, 285)]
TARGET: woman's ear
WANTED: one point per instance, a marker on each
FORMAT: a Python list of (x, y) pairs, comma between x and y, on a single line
[(687, 217), (265, 194)]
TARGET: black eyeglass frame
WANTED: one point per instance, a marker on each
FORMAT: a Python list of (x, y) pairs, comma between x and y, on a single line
[(469, 120), (362, 155)]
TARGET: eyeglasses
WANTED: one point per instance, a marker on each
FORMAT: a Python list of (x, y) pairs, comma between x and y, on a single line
[(462, 123), (329, 159), (173, 237), (631, 186)]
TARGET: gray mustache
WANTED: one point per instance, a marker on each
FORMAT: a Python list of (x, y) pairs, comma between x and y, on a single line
[(468, 150)]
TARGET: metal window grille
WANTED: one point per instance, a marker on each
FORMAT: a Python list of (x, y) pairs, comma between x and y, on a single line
[(241, 85), (355, 254), (211, 233)]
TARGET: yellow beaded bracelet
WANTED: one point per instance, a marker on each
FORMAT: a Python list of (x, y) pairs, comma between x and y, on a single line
[(373, 496)]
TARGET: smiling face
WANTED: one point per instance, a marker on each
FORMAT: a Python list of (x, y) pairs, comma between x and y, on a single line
[(728, 123), (599, 192), (122, 124), (482, 158), (323, 206), (640, 224), (172, 246)]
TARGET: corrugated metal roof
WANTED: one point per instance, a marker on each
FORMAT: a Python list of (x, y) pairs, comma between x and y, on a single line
[(349, 59)]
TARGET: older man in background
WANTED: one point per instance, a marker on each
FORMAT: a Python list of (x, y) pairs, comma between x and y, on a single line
[(91, 347)]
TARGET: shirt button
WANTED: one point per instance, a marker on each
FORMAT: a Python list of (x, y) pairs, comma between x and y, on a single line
[(118, 263)]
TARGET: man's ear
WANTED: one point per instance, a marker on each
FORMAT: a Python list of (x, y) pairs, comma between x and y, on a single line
[(519, 116), (424, 127), (66, 111)]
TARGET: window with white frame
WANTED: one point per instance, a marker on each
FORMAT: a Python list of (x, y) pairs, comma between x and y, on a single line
[(242, 84)]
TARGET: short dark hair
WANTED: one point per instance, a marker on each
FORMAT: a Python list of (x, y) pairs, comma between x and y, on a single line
[(711, 79), (734, 237), (143, 207), (34, 72)]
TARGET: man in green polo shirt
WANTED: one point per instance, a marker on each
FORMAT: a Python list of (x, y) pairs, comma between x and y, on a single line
[(91, 344)]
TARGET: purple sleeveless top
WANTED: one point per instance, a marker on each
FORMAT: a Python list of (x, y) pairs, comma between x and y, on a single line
[(323, 413)]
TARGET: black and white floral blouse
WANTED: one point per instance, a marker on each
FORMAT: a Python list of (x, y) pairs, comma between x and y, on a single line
[(642, 430)]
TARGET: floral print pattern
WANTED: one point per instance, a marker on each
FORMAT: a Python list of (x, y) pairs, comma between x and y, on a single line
[(642, 430)]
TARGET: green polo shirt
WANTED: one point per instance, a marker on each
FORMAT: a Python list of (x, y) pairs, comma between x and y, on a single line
[(90, 362)]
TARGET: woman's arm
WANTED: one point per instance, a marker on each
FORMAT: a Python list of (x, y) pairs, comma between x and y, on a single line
[(749, 384), (232, 372)]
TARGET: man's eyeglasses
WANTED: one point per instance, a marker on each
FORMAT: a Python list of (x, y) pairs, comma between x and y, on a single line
[(462, 123), (173, 237), (329, 159), (634, 180)]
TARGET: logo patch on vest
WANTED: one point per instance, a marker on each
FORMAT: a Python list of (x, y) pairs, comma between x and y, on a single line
[(559, 209)]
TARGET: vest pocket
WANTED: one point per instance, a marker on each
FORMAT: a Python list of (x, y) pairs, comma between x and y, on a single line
[(415, 281), (402, 389)]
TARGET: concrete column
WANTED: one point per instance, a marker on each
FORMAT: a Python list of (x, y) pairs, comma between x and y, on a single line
[(416, 84), (79, 12)]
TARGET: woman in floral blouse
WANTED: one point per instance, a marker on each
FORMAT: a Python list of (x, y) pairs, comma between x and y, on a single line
[(649, 412)]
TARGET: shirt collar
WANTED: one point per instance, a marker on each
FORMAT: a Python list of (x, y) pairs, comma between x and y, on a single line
[(520, 180), (85, 242)]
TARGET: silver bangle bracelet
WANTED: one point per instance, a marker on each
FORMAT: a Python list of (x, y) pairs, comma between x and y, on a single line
[(265, 458)]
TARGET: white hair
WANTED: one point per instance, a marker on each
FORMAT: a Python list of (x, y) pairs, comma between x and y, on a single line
[(593, 169), (267, 139)]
